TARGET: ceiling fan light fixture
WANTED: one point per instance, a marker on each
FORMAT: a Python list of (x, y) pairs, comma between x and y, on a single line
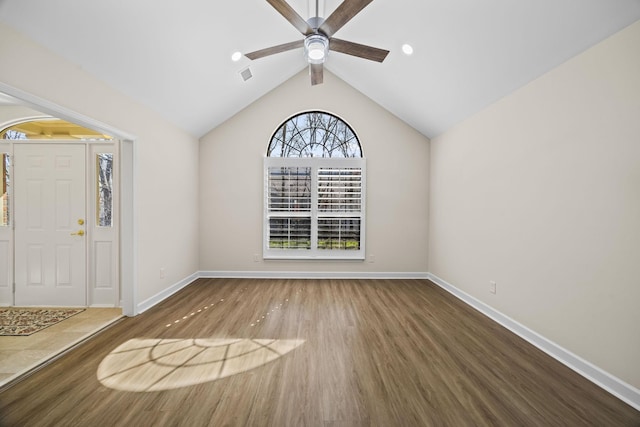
[(318, 36), (316, 47)]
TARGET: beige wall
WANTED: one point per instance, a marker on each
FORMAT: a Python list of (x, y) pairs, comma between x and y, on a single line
[(231, 182), (166, 187), (10, 113), (540, 192)]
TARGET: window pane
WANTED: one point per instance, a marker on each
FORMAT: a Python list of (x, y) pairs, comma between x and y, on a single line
[(339, 190), (4, 190), (289, 189), (104, 180), (13, 134), (314, 134), (290, 233), (339, 233)]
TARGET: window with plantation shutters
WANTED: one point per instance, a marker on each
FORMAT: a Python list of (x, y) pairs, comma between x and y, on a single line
[(314, 193), (289, 207), (339, 208)]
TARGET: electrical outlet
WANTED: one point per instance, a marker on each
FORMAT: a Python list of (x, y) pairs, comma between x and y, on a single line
[(256, 258), (492, 287), (163, 273), (372, 259)]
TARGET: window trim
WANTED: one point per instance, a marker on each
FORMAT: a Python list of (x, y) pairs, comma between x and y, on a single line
[(314, 253)]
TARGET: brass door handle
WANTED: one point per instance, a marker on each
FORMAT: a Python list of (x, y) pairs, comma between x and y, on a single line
[(79, 233)]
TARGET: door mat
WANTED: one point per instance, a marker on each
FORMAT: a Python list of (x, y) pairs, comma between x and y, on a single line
[(27, 321)]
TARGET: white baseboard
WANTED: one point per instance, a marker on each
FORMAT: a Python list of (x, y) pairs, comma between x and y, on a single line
[(608, 382), (310, 275), (161, 296)]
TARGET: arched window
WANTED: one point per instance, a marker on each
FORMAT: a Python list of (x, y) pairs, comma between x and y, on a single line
[(314, 134), (51, 129), (314, 190)]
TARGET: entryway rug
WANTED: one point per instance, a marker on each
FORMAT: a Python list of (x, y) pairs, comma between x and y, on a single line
[(27, 321)]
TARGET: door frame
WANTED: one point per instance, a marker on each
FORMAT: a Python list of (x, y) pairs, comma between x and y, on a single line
[(94, 295), (128, 228)]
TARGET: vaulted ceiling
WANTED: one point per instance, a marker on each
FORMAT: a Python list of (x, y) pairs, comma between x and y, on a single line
[(175, 57)]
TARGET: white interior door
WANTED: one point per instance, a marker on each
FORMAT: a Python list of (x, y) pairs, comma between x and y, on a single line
[(50, 215)]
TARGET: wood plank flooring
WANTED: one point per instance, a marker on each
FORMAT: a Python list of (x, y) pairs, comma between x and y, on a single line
[(369, 353)]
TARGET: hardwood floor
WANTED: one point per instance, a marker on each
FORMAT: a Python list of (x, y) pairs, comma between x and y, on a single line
[(309, 353)]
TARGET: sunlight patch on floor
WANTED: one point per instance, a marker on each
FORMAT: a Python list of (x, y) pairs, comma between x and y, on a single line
[(149, 364)]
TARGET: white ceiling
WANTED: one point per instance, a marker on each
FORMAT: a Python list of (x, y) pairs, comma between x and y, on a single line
[(174, 56)]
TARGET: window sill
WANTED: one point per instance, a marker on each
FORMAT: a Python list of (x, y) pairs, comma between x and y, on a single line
[(313, 258)]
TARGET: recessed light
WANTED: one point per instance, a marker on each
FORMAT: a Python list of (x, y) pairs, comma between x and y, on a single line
[(407, 49), (236, 56)]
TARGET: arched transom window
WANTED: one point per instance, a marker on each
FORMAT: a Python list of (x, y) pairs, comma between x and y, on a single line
[(314, 134), (314, 190), (51, 129)]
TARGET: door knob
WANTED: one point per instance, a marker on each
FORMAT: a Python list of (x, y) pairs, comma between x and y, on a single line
[(81, 221), (79, 233)]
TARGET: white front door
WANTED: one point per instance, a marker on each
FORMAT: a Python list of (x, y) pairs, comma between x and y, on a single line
[(50, 219)]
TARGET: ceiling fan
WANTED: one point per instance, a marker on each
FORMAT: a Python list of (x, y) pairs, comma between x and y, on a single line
[(319, 38)]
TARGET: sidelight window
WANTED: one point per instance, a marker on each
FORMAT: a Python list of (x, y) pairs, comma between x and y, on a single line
[(104, 190), (4, 189)]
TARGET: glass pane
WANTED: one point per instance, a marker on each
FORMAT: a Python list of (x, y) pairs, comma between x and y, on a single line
[(4, 190), (314, 134), (289, 189), (13, 134), (290, 233), (104, 180), (339, 233)]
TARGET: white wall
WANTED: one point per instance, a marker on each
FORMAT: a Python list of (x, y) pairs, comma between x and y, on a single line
[(231, 182), (10, 113), (541, 193), (166, 185)]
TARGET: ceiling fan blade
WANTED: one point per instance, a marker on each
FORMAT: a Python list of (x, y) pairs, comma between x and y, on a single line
[(347, 10), (315, 70), (291, 15), (359, 50), (274, 49)]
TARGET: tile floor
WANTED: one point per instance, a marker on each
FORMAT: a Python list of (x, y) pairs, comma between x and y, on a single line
[(19, 355)]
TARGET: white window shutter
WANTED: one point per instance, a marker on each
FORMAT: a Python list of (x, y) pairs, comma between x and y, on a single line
[(314, 208)]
